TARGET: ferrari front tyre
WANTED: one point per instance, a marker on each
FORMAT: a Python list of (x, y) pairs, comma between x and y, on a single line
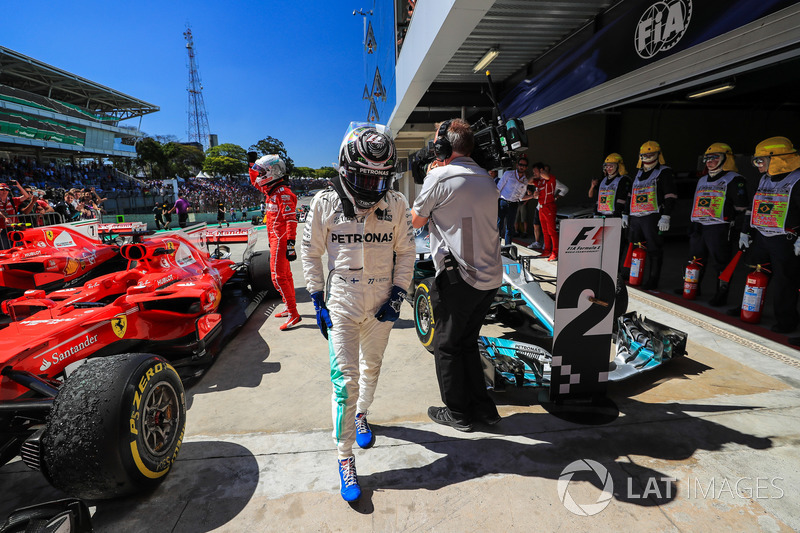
[(116, 427), (423, 313), (260, 273)]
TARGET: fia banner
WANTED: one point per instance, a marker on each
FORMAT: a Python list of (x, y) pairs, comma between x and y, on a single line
[(588, 259)]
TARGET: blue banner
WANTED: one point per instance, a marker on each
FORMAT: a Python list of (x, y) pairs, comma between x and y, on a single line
[(632, 36)]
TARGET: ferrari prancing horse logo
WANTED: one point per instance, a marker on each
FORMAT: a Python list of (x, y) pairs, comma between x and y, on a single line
[(119, 324)]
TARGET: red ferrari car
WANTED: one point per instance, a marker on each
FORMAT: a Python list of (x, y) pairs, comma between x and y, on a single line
[(57, 256), (75, 400)]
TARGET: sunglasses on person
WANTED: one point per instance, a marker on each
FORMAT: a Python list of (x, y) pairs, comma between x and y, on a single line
[(522, 165), (711, 157), (758, 161)]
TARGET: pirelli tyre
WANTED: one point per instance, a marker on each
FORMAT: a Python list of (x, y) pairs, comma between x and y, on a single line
[(423, 313), (116, 427), (260, 274)]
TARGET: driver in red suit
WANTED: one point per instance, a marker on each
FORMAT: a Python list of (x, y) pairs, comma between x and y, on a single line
[(267, 174)]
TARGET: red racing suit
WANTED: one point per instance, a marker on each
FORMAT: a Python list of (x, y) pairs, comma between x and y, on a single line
[(281, 221), (548, 192)]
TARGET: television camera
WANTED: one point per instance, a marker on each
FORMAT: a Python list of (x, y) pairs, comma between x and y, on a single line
[(495, 143)]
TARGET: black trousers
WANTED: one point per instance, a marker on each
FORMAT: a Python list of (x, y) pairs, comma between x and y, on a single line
[(459, 311), (711, 243), (506, 216), (778, 251), (645, 229)]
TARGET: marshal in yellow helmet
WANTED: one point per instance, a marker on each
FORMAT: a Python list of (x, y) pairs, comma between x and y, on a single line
[(645, 151), (617, 159), (783, 156), (728, 161)]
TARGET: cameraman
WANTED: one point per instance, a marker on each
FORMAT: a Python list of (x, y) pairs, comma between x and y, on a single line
[(459, 198)]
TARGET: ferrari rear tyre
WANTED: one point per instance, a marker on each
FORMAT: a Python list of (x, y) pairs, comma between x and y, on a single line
[(116, 427), (423, 313), (260, 273)]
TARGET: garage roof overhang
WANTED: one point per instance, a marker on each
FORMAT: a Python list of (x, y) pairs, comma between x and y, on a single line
[(446, 38), (435, 78)]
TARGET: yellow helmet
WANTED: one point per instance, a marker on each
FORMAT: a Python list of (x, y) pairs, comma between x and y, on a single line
[(774, 146), (616, 158), (782, 155), (728, 162), (648, 148)]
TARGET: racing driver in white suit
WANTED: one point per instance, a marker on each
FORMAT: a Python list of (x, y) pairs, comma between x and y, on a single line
[(365, 228)]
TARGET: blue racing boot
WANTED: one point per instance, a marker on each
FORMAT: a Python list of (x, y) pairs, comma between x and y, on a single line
[(364, 436), (350, 489)]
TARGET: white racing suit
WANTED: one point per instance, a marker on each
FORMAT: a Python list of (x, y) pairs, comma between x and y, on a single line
[(362, 269)]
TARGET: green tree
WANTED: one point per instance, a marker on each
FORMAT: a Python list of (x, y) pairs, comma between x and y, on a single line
[(222, 166), (303, 172), (184, 160), (226, 159), (325, 172), (271, 145), (150, 155)]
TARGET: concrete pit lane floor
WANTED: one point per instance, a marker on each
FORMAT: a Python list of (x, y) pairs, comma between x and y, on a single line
[(708, 442)]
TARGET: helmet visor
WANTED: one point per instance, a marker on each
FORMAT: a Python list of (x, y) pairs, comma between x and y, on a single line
[(368, 181)]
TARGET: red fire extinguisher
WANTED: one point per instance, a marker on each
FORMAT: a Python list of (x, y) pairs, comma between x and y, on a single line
[(637, 265), (755, 289), (691, 279)]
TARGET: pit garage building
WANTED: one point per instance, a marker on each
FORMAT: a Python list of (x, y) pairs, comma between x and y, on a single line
[(590, 77)]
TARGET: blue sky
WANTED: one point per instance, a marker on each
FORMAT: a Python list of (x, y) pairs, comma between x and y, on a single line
[(290, 70)]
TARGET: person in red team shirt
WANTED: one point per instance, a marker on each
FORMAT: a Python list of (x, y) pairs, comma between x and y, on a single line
[(267, 174), (548, 191), (9, 207)]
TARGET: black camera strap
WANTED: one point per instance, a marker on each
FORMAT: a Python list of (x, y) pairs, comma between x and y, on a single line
[(451, 268)]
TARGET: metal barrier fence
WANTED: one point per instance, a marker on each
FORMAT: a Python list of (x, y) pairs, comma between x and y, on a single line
[(23, 222), (33, 220)]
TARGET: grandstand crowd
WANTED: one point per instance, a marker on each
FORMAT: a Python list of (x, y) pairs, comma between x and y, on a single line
[(78, 191)]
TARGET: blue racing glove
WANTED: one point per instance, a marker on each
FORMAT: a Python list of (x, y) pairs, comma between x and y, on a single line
[(390, 311), (323, 315)]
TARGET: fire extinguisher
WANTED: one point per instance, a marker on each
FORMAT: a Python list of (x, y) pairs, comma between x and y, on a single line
[(755, 289), (637, 265), (691, 279)]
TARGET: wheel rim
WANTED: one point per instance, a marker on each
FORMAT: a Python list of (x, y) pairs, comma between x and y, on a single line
[(161, 418), (423, 315)]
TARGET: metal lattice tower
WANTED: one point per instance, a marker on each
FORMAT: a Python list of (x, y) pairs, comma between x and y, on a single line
[(198, 118)]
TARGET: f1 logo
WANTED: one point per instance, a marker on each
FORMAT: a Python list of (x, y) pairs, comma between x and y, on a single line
[(583, 234)]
